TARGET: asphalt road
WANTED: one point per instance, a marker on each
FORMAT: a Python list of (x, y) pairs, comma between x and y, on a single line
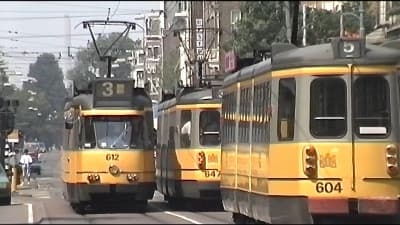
[(42, 202)]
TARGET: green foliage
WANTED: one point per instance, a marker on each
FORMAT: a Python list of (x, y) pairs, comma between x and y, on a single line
[(263, 22), (48, 101), (88, 61), (171, 70), (323, 24), (49, 78)]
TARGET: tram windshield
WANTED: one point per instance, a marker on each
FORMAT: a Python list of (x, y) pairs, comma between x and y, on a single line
[(118, 132), (210, 128)]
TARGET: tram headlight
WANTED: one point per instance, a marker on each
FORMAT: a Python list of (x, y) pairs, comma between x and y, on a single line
[(201, 160), (132, 177), (392, 163), (93, 178), (114, 170), (310, 161)]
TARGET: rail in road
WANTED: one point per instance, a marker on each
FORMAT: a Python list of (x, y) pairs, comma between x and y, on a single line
[(42, 202)]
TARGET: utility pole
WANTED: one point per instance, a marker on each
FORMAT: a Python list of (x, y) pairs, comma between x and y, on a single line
[(295, 22), (362, 29), (304, 25), (341, 20), (288, 21)]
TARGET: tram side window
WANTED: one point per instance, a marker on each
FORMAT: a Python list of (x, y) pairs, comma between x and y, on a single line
[(232, 121), (372, 107), (209, 128), (186, 117), (255, 114), (138, 137), (286, 108), (241, 117), (266, 113), (90, 139), (328, 108)]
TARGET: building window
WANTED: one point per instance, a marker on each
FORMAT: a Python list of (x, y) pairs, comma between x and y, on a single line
[(139, 75), (236, 15), (141, 59), (156, 52), (150, 52)]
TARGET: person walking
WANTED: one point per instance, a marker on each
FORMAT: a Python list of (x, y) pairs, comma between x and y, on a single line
[(26, 161)]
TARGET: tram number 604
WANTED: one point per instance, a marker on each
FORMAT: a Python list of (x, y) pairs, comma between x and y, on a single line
[(328, 187)]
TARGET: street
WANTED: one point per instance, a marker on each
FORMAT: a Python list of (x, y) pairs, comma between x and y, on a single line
[(42, 202)]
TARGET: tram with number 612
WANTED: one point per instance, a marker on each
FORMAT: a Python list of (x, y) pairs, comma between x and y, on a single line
[(108, 145)]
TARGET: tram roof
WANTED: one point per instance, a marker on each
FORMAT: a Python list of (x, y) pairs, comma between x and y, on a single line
[(86, 101), (323, 55), (192, 96), (289, 56)]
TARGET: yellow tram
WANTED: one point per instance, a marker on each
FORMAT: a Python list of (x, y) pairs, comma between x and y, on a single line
[(189, 145), (312, 132), (108, 145)]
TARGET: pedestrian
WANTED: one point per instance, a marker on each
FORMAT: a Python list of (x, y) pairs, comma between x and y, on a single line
[(26, 161)]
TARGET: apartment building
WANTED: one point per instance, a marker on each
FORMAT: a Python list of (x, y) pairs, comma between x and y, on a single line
[(147, 60), (195, 32)]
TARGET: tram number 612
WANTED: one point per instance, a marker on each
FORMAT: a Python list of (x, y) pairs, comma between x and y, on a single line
[(328, 187), (112, 157)]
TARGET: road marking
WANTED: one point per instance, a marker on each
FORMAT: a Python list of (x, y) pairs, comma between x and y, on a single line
[(182, 217), (30, 212)]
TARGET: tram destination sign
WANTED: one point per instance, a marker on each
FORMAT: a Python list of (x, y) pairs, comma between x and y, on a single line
[(117, 91)]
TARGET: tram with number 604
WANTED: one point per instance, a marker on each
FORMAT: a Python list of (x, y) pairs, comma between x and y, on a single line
[(108, 145), (313, 134), (188, 145)]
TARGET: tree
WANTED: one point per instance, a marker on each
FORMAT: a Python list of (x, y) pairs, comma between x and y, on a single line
[(171, 70), (262, 23), (88, 62), (49, 100), (324, 24), (49, 78)]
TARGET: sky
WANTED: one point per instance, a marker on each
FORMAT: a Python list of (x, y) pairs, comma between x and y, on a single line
[(30, 28)]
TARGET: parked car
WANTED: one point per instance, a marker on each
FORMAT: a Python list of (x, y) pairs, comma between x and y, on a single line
[(5, 188)]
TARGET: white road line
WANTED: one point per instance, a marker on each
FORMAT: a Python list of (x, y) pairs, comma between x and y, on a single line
[(182, 217), (30, 212)]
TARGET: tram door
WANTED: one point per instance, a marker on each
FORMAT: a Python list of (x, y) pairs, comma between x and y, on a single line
[(374, 133)]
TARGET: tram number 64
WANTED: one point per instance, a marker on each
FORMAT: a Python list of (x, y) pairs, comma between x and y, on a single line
[(328, 187)]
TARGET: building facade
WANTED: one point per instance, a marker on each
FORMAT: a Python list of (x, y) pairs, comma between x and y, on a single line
[(147, 60), (195, 33)]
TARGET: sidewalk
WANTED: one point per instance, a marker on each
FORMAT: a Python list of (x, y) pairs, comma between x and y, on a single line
[(26, 190)]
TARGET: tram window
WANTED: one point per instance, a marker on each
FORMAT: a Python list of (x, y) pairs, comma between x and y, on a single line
[(90, 139), (328, 108), (209, 128), (186, 117), (137, 137), (286, 108), (371, 107), (266, 113), (119, 132)]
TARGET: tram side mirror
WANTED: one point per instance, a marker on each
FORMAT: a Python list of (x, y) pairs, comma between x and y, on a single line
[(68, 125)]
